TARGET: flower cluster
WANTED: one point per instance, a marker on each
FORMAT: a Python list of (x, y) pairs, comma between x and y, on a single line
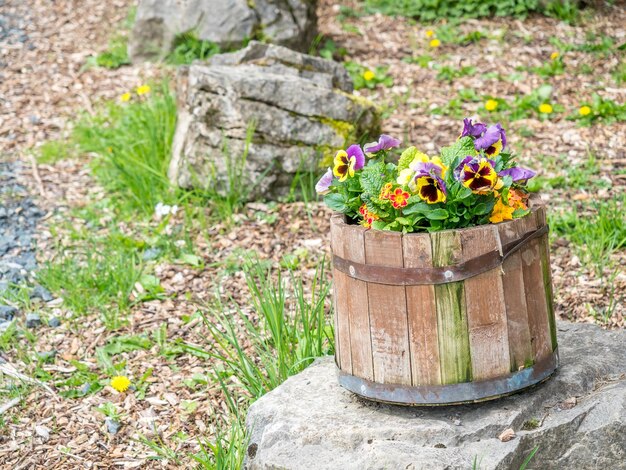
[(140, 90), (472, 182)]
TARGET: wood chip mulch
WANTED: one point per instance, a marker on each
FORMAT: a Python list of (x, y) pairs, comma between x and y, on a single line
[(43, 85)]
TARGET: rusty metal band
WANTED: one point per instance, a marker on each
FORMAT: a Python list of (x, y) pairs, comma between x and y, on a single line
[(452, 394), (397, 276)]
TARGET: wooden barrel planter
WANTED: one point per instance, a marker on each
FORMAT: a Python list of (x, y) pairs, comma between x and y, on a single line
[(446, 317)]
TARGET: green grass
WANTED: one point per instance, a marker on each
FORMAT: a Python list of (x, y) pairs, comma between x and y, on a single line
[(293, 329), (368, 78), (427, 10), (551, 68), (94, 277), (602, 109), (449, 73), (116, 54), (188, 47), (53, 151), (132, 144), (596, 230)]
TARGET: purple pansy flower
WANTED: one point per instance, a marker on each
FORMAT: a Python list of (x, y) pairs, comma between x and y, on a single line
[(359, 157), (493, 141), (473, 130), (477, 174), (428, 182), (518, 174), (347, 162), (324, 183), (385, 142)]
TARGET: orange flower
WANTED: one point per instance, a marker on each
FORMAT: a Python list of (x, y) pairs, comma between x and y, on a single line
[(399, 198), (517, 199), (385, 191), (501, 212)]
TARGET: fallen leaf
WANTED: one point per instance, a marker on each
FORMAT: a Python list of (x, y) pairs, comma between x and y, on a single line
[(507, 435)]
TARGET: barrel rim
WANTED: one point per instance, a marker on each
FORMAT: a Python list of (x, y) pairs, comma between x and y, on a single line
[(452, 394)]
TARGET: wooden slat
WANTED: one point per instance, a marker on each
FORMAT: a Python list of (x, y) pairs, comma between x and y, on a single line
[(535, 292), (452, 328), (360, 333), (422, 314), (547, 274), (486, 309), (341, 298), (388, 316), (520, 347)]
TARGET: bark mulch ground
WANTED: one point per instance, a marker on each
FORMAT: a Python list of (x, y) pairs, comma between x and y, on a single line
[(43, 84)]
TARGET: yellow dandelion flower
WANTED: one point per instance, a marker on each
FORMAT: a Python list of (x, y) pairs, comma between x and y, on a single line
[(143, 90), (491, 105), (120, 383), (584, 110), (430, 33), (554, 55), (125, 97), (434, 43), (368, 75), (545, 108)]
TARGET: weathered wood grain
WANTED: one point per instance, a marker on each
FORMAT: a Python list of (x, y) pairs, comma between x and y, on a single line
[(388, 315), (422, 314), (520, 347), (358, 306), (485, 306), (535, 292), (544, 243), (452, 328), (341, 297)]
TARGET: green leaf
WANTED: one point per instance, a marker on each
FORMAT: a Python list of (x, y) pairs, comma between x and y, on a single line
[(379, 225), (437, 214), (416, 208), (463, 192), (479, 209), (375, 209), (406, 158), (373, 178), (459, 150), (187, 258), (517, 213), (336, 202), (403, 221), (127, 343), (544, 92)]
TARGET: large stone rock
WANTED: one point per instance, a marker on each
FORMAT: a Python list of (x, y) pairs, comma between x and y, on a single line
[(228, 23), (300, 107), (577, 419)]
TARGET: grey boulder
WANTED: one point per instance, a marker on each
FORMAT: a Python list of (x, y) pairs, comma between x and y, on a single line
[(274, 109), (227, 23), (576, 420)]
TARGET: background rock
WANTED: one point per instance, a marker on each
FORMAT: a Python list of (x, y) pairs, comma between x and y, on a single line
[(577, 419), (301, 108), (228, 23)]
